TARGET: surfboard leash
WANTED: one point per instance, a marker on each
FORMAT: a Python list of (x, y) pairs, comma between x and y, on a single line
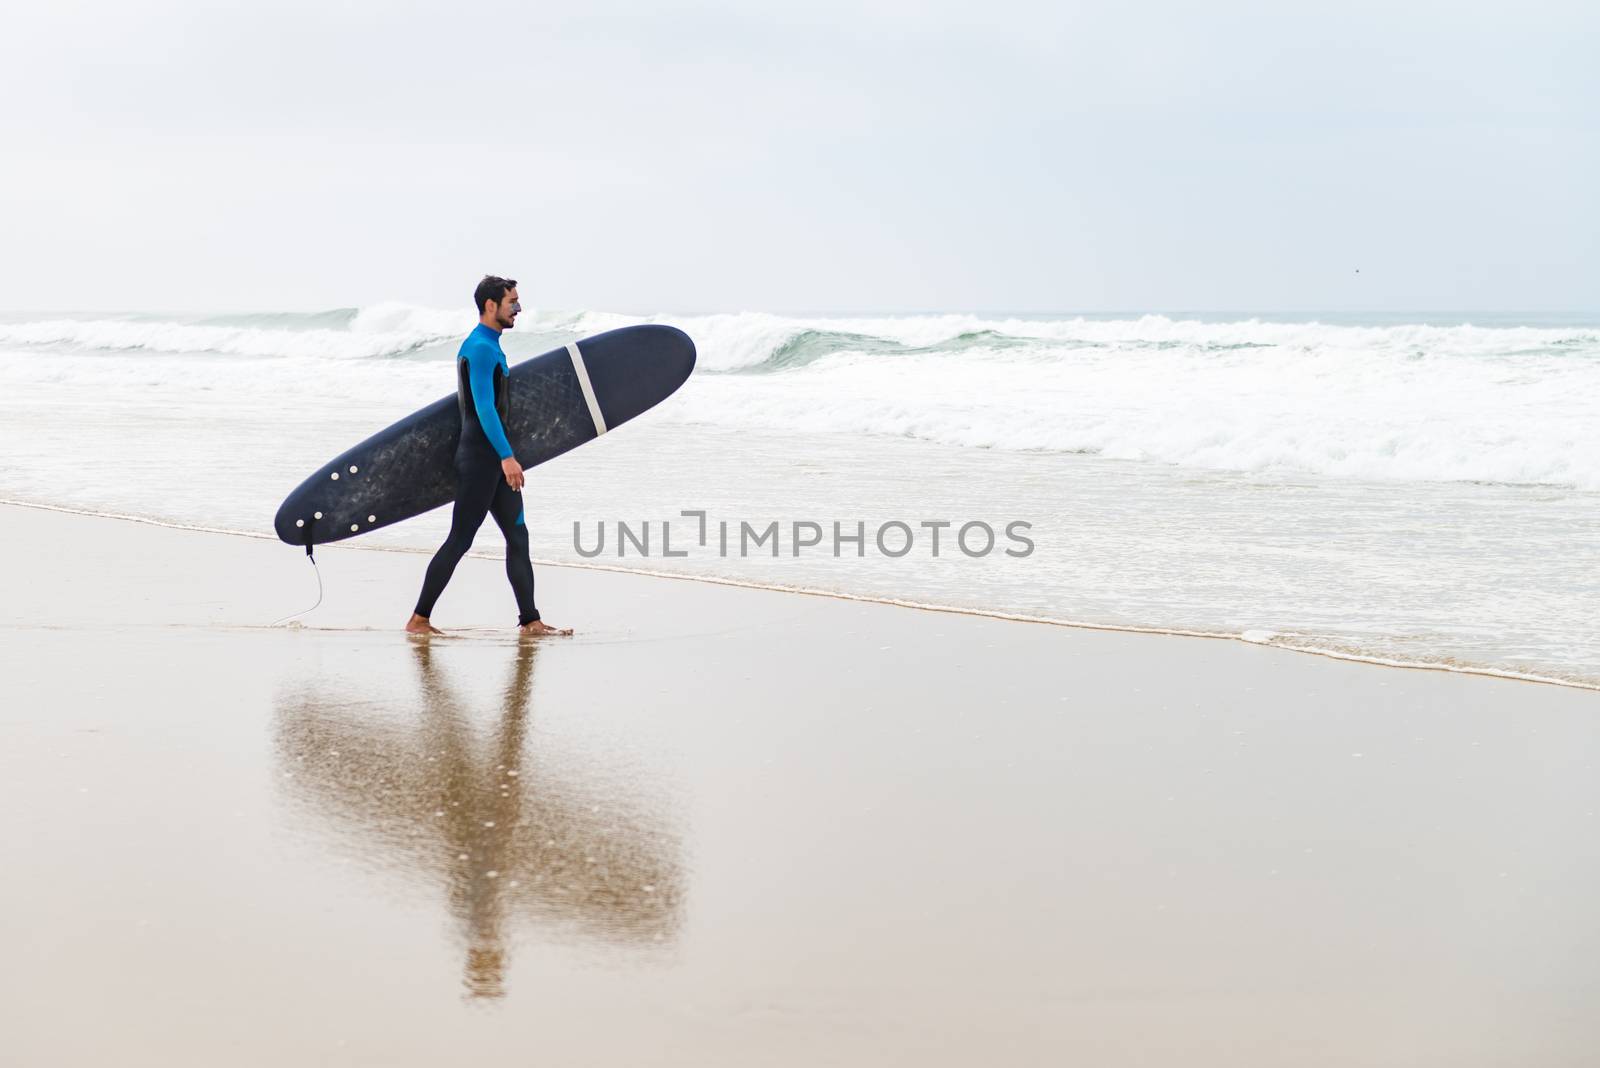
[(317, 570), (313, 608)]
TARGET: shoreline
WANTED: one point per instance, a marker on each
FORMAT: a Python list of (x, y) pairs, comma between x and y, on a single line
[(841, 595)]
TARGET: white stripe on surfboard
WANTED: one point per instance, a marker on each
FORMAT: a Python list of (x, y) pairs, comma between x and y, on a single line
[(587, 387)]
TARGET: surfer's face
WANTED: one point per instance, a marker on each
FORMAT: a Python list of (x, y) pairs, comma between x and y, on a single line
[(507, 310)]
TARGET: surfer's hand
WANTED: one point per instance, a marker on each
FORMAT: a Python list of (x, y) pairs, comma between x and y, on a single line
[(513, 472)]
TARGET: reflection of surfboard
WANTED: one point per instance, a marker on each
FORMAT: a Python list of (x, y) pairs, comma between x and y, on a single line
[(558, 401)]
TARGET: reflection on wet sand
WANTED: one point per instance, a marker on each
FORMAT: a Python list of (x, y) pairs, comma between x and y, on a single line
[(511, 833)]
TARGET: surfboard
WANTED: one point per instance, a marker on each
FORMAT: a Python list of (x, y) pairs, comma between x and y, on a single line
[(558, 401)]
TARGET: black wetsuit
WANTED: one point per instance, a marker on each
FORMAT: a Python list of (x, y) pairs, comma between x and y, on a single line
[(481, 389)]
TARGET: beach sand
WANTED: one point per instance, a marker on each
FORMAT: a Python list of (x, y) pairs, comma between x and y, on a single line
[(726, 826)]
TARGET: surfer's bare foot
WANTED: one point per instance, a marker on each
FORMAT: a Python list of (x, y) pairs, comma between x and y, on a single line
[(540, 629), (420, 625)]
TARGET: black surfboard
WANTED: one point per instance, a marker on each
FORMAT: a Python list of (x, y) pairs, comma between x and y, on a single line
[(558, 401)]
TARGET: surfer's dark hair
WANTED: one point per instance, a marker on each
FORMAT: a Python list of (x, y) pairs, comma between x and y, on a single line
[(492, 288)]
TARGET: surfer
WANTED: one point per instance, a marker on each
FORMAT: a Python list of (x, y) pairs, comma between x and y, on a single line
[(488, 478)]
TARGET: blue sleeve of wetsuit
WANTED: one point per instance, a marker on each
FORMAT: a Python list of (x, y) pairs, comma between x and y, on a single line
[(481, 362)]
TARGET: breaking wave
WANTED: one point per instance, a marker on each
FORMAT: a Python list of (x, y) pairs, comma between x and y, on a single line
[(1504, 403)]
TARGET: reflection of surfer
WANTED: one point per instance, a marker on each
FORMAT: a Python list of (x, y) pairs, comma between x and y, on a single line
[(480, 849), (488, 478), (508, 832)]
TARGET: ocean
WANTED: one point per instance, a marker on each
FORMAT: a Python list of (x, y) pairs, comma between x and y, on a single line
[(1409, 489)]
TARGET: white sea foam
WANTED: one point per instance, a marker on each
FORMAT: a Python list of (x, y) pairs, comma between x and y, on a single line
[(1350, 433), (382, 330), (393, 318), (1407, 402), (121, 335)]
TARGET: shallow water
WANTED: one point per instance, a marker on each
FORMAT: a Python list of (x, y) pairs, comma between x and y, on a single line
[(1417, 492)]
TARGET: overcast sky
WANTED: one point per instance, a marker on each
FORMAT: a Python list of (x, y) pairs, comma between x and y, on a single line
[(820, 156)]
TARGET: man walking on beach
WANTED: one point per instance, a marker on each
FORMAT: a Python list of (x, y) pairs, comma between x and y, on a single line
[(488, 477)]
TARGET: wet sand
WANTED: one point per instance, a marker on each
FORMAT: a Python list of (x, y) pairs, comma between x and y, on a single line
[(738, 827)]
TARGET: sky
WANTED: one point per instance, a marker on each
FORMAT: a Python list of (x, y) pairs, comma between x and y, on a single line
[(830, 156)]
